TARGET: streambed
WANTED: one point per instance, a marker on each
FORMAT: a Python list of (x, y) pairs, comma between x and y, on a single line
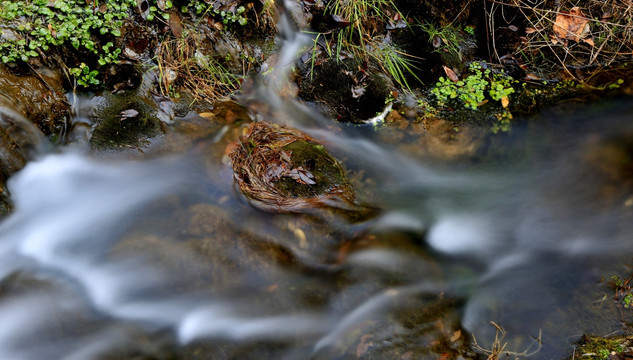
[(155, 255)]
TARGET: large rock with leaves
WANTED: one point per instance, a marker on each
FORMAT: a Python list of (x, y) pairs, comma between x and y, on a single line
[(284, 170)]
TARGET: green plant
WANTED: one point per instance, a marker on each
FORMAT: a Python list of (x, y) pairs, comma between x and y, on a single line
[(84, 76), (355, 37), (472, 90), (226, 17), (395, 63), (40, 24), (446, 38), (354, 14), (623, 290)]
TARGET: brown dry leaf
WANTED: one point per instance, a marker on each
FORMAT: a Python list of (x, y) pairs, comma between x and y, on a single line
[(175, 24), (207, 115), (456, 335), (530, 30), (364, 345), (505, 101), (572, 25), (451, 74), (533, 77)]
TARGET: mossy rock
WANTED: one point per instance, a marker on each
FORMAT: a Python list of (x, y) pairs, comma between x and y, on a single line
[(284, 170), (115, 131)]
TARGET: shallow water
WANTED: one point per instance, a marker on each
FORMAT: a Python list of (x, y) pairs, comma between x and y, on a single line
[(156, 256), (159, 257)]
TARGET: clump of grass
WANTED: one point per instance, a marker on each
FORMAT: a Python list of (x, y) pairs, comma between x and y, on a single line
[(396, 63), (182, 66), (359, 36), (600, 348), (446, 38)]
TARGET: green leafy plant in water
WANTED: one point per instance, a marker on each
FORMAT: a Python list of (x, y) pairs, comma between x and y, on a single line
[(472, 90)]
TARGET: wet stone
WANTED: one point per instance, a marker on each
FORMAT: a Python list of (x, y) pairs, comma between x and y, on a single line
[(38, 97), (125, 122), (283, 170)]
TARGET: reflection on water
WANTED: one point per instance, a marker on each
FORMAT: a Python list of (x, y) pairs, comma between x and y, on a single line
[(156, 258)]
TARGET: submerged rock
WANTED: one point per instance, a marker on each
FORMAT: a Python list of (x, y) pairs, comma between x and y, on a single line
[(39, 98), (19, 142), (284, 170)]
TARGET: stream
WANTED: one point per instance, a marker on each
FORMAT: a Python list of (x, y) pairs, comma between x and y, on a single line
[(158, 256)]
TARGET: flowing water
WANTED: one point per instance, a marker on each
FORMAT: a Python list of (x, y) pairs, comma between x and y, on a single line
[(159, 257)]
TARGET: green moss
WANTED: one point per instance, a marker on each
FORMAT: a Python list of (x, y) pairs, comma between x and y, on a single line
[(599, 348), (114, 131), (314, 158)]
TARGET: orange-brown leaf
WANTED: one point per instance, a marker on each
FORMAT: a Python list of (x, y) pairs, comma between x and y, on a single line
[(175, 24), (451, 74), (572, 25), (364, 345)]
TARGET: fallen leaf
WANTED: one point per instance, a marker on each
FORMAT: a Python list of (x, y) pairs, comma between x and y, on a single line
[(533, 77), (364, 345), (175, 24), (207, 115), (358, 91), (161, 4), (128, 114), (451, 74), (530, 30), (572, 25), (513, 28), (606, 15), (340, 21), (456, 335), (286, 156), (143, 8), (505, 101)]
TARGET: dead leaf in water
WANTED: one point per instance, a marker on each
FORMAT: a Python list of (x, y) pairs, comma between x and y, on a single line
[(128, 114), (364, 345), (456, 335), (572, 25)]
